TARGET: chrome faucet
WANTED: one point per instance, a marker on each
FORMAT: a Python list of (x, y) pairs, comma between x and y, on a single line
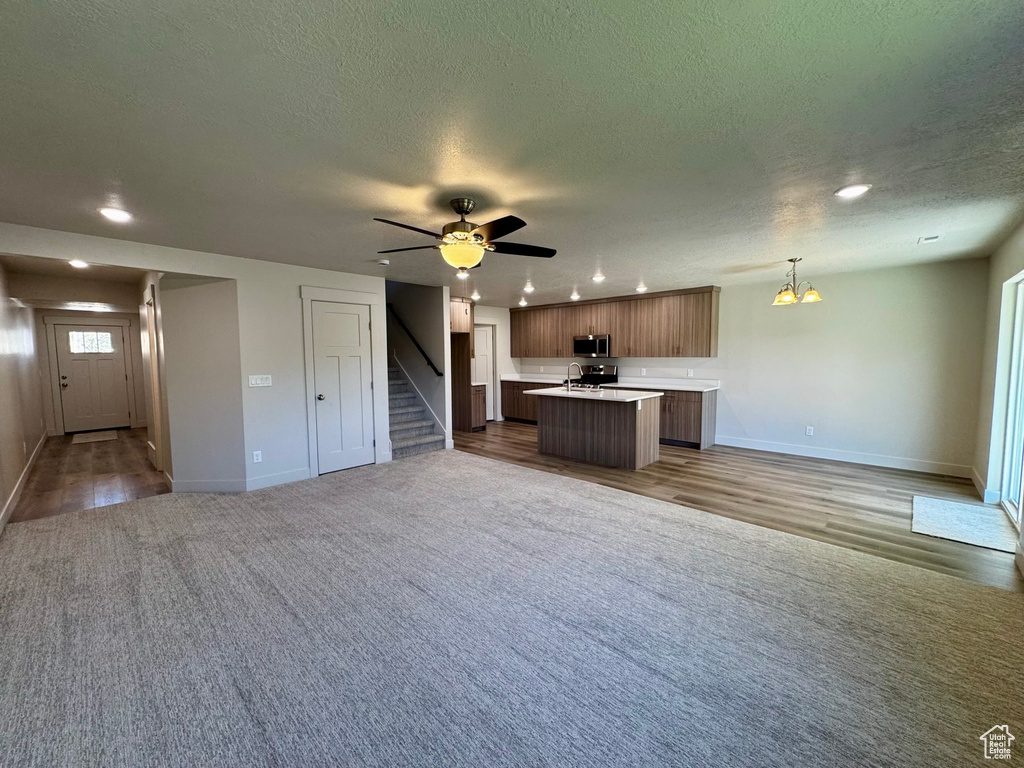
[(568, 375)]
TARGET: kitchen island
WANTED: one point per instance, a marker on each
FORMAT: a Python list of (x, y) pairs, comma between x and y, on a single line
[(610, 427)]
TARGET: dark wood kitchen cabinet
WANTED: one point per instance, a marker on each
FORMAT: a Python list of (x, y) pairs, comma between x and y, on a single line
[(517, 406), (670, 324), (479, 407)]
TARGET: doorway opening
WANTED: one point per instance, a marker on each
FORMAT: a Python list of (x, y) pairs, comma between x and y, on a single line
[(485, 370)]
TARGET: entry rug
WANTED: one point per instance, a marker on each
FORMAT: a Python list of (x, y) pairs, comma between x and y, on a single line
[(980, 524), (94, 437)]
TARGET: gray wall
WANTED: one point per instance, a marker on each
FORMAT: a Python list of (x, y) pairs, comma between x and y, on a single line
[(21, 416), (204, 390), (424, 310)]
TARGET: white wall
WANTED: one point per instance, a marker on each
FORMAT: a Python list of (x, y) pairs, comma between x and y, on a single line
[(885, 368), (21, 418), (425, 312), (270, 334), (1006, 266), (204, 393), (51, 288)]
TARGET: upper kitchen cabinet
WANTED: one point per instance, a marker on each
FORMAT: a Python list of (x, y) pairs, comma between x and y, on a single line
[(669, 324)]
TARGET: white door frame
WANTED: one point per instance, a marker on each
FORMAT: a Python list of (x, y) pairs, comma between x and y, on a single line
[(496, 394), (49, 321), (378, 366)]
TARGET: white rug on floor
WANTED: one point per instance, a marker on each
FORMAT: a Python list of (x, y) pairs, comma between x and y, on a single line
[(94, 437), (983, 525)]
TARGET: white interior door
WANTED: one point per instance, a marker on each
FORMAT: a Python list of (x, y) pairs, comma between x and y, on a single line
[(343, 383), (483, 363), (93, 377)]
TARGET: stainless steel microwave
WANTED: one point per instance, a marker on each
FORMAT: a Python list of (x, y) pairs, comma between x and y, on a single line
[(599, 345)]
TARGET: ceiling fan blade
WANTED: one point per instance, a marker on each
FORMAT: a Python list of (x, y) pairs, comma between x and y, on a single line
[(408, 226), (522, 249), (413, 248), (492, 230)]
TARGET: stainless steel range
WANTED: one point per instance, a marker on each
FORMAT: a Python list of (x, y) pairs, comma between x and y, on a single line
[(595, 376)]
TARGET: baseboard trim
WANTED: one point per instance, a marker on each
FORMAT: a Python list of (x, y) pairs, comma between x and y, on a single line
[(1018, 558), (208, 486), (278, 478), (12, 500), (873, 459), (987, 496)]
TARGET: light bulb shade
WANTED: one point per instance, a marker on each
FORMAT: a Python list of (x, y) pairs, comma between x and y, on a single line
[(810, 296), (784, 297), (462, 255)]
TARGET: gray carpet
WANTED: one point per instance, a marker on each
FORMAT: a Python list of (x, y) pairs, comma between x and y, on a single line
[(448, 610)]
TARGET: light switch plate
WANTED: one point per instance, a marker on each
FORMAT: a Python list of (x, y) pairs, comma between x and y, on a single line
[(260, 380), (257, 457)]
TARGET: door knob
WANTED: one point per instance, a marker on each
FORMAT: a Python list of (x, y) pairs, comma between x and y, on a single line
[(63, 385), (62, 378), (320, 397)]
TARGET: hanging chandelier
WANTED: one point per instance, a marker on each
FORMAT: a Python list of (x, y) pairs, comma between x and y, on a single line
[(790, 292)]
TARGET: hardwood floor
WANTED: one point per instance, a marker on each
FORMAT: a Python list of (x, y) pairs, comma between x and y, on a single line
[(68, 478), (850, 505)]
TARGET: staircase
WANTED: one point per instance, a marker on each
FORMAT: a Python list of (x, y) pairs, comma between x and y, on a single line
[(412, 428)]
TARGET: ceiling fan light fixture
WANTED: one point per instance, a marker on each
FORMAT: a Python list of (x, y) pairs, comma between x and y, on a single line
[(462, 255)]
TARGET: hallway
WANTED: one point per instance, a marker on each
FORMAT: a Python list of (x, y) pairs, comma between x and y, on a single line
[(68, 478)]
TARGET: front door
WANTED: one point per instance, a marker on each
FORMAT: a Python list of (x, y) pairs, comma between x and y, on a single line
[(483, 363), (93, 377), (343, 383)]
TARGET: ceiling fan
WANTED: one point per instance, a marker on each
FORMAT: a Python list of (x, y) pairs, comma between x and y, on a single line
[(463, 243)]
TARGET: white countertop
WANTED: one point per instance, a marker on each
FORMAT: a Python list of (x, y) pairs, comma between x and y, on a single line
[(625, 382), (478, 384), (612, 395)]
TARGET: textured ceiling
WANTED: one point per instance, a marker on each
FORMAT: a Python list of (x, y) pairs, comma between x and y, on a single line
[(31, 265), (681, 143)]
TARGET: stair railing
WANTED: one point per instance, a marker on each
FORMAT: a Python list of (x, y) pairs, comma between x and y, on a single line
[(412, 338)]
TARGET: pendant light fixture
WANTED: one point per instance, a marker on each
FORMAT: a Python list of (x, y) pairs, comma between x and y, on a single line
[(790, 292)]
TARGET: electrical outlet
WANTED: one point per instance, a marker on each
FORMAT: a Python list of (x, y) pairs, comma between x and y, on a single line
[(257, 457), (809, 431), (542, 369), (689, 373), (643, 371)]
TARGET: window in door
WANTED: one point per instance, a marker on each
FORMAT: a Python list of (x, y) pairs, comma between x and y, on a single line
[(90, 342)]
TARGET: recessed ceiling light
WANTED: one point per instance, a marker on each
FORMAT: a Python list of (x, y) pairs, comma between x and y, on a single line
[(574, 296), (598, 277), (641, 288), (528, 287), (852, 191), (928, 239), (78, 264), (116, 214), (522, 302), (475, 296)]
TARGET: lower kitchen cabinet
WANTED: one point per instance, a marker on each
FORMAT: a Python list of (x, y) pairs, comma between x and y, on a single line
[(479, 407), (517, 406), (689, 418)]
